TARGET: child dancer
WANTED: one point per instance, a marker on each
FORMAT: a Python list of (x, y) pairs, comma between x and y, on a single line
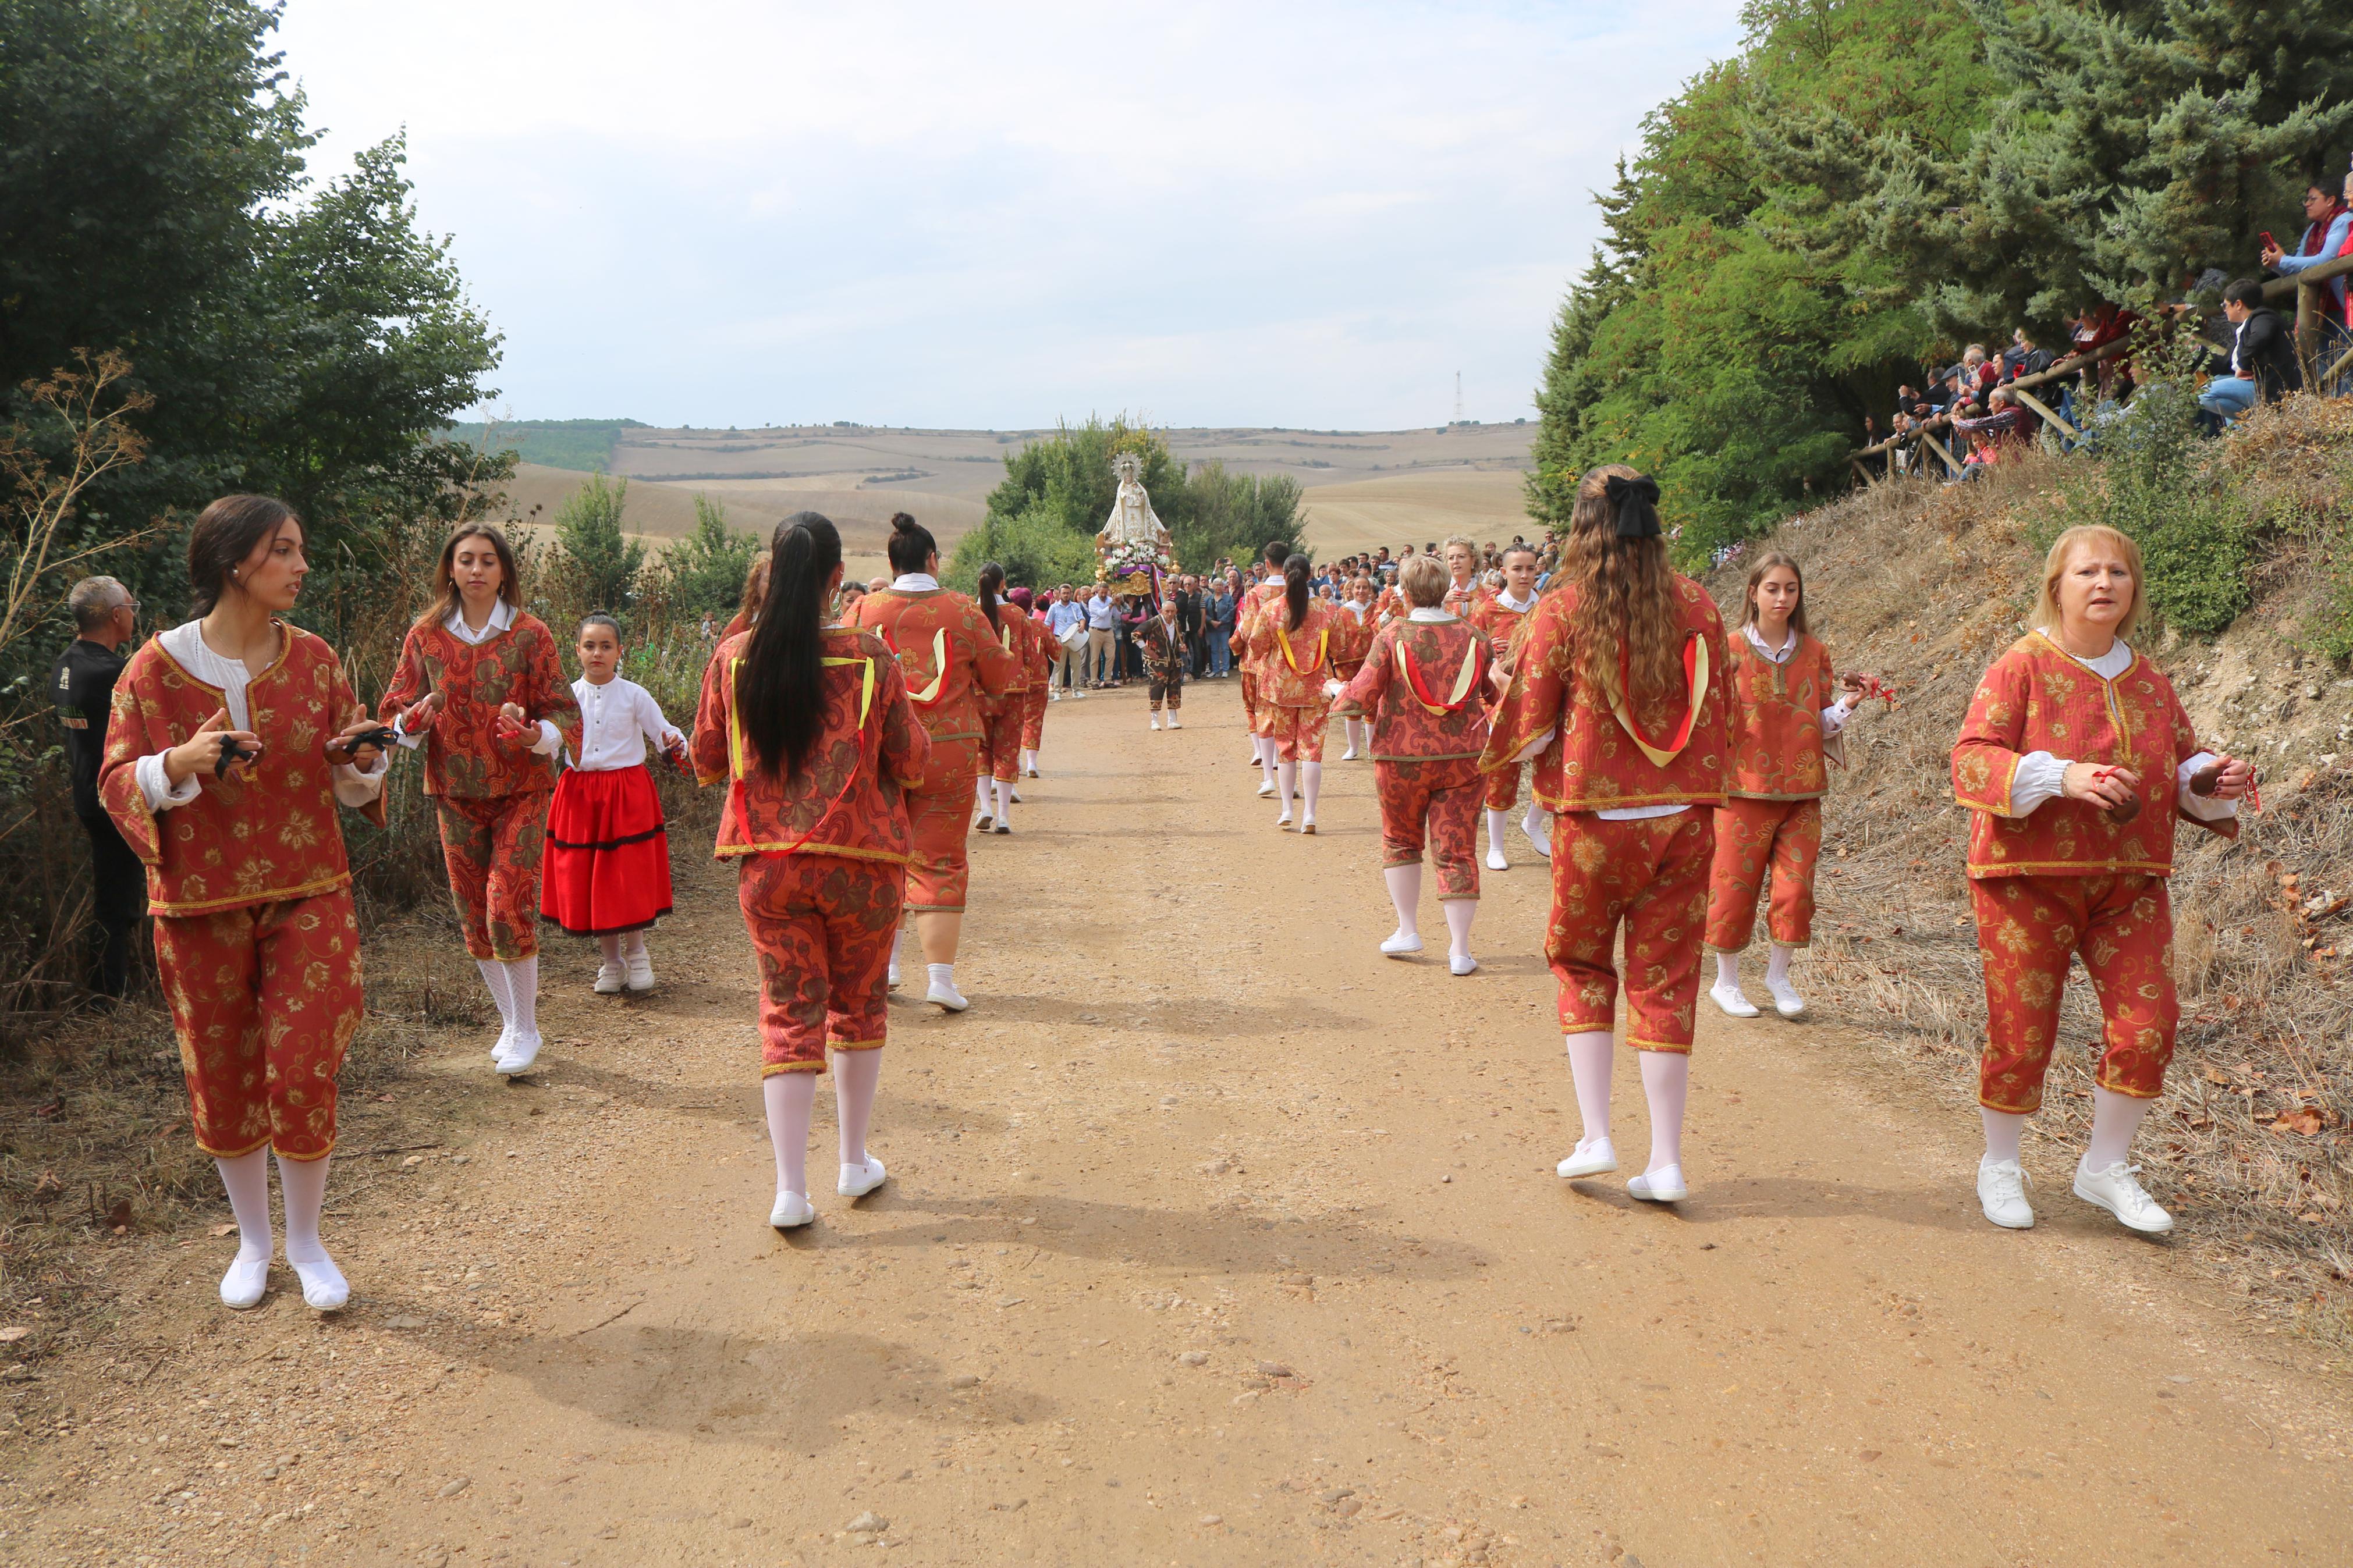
[(809, 727), (1620, 697), (607, 846), (234, 739), (1501, 616), (2074, 763), (1425, 683), (480, 684), (1293, 638), (1772, 815)]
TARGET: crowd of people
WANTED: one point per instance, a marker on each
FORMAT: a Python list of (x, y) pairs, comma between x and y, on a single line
[(2250, 356), (862, 734)]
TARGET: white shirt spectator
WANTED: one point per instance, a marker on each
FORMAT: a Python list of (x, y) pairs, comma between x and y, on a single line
[(617, 719)]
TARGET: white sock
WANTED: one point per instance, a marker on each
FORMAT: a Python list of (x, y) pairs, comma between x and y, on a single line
[(1666, 1084), (1591, 1058), (1459, 914), (1311, 784), (1497, 821), (855, 1075), (494, 975), (1727, 970), (789, 1097), (1360, 734), (1286, 778), (1777, 967), (980, 791), (1405, 892), (609, 947), (896, 938), (1004, 800), (246, 1179), (2002, 1131), (1029, 761), (943, 975), (523, 982), (304, 1185), (2115, 1119)]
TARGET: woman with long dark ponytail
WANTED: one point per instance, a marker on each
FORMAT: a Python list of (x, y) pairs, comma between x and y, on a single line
[(809, 727), (1000, 715), (1294, 640), (1620, 696), (951, 659)]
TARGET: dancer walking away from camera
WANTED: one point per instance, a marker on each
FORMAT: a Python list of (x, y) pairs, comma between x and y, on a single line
[(1042, 663), (1352, 640), (1254, 601), (2076, 762), (810, 728), (234, 739), (1621, 700), (1292, 638), (1000, 714), (481, 686), (607, 844), (1163, 644), (1785, 731), (1501, 616), (950, 657), (1423, 688)]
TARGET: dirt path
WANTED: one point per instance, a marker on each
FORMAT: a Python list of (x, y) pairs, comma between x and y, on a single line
[(1212, 1237)]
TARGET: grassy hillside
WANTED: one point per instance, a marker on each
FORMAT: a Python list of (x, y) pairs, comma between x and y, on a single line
[(578, 443), (1926, 586)]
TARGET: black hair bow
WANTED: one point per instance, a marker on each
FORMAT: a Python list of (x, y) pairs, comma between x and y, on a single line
[(1637, 500)]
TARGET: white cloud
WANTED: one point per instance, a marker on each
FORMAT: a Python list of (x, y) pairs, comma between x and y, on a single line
[(715, 212)]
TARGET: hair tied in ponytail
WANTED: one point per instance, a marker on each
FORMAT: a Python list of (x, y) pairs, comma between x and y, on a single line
[(1637, 500)]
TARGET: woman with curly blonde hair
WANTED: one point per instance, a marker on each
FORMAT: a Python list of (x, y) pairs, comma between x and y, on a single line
[(1619, 698)]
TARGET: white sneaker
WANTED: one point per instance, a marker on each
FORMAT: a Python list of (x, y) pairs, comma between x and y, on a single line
[(1307, 824), (2114, 1190), (857, 1181), (1462, 964), (504, 1043), (1594, 1159), (1156, 722), (894, 974), (608, 982), (519, 1056), (324, 1288), (985, 823), (1495, 861), (1396, 944), (792, 1210), (243, 1286), (1002, 826), (1539, 832), (944, 994), (1285, 820), (1349, 755), (1733, 1002), (1663, 1186), (641, 971), (1786, 1000), (1173, 723), (2002, 1193), (1266, 787)]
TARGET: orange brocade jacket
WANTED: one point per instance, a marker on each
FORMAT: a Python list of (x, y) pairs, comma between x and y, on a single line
[(847, 798), (1432, 723), (948, 653), (464, 756), (1293, 665), (1254, 601), (1776, 721), (269, 836), (1595, 764), (2038, 699)]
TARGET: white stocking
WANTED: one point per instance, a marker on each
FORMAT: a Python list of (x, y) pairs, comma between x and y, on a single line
[(980, 791), (633, 943), (855, 1075), (1360, 735), (2002, 1132), (1666, 1083), (1311, 784), (1727, 970), (1029, 761), (1776, 968), (304, 1185), (1459, 914), (2115, 1119), (1590, 1057), (1498, 823), (1286, 779), (522, 982), (1405, 892), (790, 1096), (494, 975), (1004, 800), (247, 1177), (1266, 757), (609, 947)]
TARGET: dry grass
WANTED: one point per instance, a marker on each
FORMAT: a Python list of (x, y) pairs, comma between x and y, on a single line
[(1488, 504), (1924, 586)]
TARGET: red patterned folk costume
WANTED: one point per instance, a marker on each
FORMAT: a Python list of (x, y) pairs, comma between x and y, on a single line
[(1773, 816), (2064, 879), (490, 791), (1422, 685), (1254, 601), (1000, 714), (824, 855), (1501, 622), (1042, 649), (1294, 664), (254, 940), (1650, 873), (949, 657)]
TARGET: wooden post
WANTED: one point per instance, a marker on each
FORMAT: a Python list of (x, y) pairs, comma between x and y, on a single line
[(1930, 436), (2039, 407), (2307, 335), (2339, 368), (1861, 472)]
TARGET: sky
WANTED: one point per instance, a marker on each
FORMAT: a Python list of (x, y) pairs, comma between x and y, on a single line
[(718, 212)]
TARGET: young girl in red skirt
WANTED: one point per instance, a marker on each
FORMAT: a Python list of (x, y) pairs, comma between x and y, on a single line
[(608, 848)]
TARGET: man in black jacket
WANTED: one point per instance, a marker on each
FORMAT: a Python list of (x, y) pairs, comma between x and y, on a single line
[(2263, 357), (105, 617)]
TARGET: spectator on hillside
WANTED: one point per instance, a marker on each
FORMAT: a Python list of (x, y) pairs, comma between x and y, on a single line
[(2263, 358), (2004, 419), (2324, 234), (2023, 357), (82, 689)]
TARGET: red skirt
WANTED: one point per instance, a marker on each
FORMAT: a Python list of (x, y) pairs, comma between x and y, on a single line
[(607, 865)]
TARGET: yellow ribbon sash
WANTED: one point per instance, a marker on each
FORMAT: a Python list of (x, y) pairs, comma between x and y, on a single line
[(1696, 671), (736, 754), (1322, 642), (1464, 679), (929, 694)]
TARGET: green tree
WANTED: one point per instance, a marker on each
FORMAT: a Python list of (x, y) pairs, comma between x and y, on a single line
[(595, 561), (1235, 515), (703, 572)]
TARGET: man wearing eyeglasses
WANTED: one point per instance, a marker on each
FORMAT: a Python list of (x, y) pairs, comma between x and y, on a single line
[(105, 617)]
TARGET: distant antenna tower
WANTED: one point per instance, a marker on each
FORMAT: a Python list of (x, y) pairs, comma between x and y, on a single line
[(1458, 397)]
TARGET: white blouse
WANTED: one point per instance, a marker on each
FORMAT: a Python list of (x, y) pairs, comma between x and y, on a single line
[(188, 649), (617, 719)]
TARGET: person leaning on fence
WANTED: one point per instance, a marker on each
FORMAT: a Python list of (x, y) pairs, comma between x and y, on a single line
[(105, 617), (2330, 226), (2263, 357)]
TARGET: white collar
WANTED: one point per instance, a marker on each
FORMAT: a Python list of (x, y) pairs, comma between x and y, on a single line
[(914, 583), (1431, 615), (502, 616), (1779, 654), (1517, 606), (2107, 666)]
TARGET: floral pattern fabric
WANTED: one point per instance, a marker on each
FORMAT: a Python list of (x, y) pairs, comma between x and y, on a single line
[(1438, 801), (1776, 721), (1651, 876), (2028, 929), (493, 847), (922, 624), (465, 755), (821, 926), (1404, 728), (1753, 836)]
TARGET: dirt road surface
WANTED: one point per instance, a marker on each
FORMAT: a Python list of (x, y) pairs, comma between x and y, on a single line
[(1212, 1238)]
